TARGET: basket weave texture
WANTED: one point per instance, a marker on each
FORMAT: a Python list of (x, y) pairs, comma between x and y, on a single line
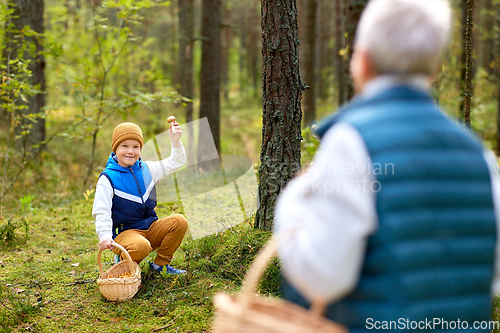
[(248, 312), (114, 288)]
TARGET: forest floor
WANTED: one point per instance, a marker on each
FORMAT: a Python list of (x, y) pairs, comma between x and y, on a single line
[(49, 284)]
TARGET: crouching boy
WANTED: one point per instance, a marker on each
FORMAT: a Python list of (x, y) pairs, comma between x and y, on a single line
[(125, 200)]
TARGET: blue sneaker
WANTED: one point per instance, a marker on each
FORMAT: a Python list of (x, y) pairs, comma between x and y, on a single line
[(117, 258), (170, 269)]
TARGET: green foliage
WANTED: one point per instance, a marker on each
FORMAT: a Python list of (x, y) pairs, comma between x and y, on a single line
[(495, 312), (131, 9), (484, 108), (10, 231), (310, 145), (16, 89), (26, 204), (14, 231)]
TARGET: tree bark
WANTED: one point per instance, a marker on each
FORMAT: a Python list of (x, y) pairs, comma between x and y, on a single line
[(498, 82), (282, 92), (353, 10), (463, 58), (210, 72), (243, 55), (29, 13), (488, 54), (253, 48), (172, 42), (339, 59), (226, 44), (186, 34), (325, 34), (310, 64), (469, 6)]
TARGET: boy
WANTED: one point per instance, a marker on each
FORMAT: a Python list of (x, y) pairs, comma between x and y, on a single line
[(125, 199)]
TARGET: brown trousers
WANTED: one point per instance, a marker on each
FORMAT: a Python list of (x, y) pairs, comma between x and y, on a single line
[(165, 235)]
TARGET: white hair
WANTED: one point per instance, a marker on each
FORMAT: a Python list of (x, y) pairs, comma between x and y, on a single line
[(404, 36)]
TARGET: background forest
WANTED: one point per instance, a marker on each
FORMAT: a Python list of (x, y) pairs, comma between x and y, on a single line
[(73, 69), (101, 62)]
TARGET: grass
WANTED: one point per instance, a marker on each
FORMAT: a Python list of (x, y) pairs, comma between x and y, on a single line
[(49, 283)]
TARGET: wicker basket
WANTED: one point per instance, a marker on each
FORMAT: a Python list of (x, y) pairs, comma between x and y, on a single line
[(248, 312), (114, 288)]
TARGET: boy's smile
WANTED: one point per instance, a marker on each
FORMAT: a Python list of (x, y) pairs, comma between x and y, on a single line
[(128, 152)]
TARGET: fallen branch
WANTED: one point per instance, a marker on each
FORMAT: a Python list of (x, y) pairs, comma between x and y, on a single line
[(5, 306)]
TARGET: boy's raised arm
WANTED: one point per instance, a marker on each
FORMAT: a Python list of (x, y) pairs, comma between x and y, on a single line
[(177, 158)]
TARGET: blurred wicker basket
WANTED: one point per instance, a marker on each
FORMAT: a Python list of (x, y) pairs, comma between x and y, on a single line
[(248, 312), (115, 288)]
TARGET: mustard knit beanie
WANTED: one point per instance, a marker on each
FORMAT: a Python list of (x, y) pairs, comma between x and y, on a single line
[(126, 131)]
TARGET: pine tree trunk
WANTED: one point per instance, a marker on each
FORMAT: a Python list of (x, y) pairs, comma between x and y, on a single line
[(253, 49), (243, 55), (463, 58), (353, 10), (488, 54), (498, 82), (29, 13), (210, 73), (320, 48), (226, 44), (186, 34), (172, 42), (339, 60), (282, 92), (310, 63), (469, 5), (326, 11)]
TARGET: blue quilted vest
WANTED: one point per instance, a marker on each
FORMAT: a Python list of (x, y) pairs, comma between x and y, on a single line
[(433, 253), (134, 196)]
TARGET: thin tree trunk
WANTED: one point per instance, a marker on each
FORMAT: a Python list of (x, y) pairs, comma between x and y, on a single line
[(253, 51), (172, 42), (325, 11), (463, 58), (318, 78), (310, 63), (29, 13), (488, 54), (225, 52), (353, 9), (186, 33), (282, 92), (339, 59), (498, 82), (469, 5), (243, 53), (210, 73)]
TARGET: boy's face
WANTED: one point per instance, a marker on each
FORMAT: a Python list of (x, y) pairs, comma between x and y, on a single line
[(128, 152)]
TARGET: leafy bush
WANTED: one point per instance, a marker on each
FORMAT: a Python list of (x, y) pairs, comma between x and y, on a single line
[(9, 235)]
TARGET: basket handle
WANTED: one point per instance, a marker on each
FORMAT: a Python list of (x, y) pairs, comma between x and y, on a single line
[(125, 252), (258, 267)]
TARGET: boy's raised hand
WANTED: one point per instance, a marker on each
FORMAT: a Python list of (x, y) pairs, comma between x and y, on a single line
[(175, 137)]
